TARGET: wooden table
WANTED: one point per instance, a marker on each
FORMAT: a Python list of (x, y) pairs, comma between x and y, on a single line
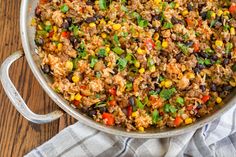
[(17, 135)]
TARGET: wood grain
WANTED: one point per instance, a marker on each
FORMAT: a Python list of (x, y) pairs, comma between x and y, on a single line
[(17, 135)]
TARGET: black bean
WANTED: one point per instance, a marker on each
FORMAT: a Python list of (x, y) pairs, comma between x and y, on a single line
[(158, 90), (225, 62), (74, 41), (199, 106), (174, 20), (156, 17), (65, 24), (229, 56), (69, 20), (203, 88), (178, 56), (91, 113), (201, 66), (37, 11), (89, 2), (227, 88), (164, 53), (132, 101), (214, 57), (204, 15), (190, 7), (90, 19), (98, 16), (203, 54), (102, 109), (45, 68), (213, 87), (161, 38), (219, 89), (69, 76), (189, 43), (39, 41), (196, 70)]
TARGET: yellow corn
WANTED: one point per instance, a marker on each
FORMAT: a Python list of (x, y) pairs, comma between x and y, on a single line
[(92, 25), (213, 15), (232, 83), (157, 2), (140, 51), (162, 84), (141, 71), (78, 97), (168, 83), (226, 13), (141, 129), (219, 12), (152, 68), (164, 44), (134, 114), (75, 79), (47, 23), (219, 43), (188, 120), (104, 35), (185, 12), (232, 31), (176, 5), (107, 49), (137, 64), (59, 46), (102, 21), (156, 36), (190, 75), (218, 100), (72, 97), (69, 65), (116, 26), (55, 29), (55, 37)]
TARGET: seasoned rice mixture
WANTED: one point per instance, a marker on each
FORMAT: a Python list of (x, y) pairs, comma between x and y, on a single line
[(139, 63)]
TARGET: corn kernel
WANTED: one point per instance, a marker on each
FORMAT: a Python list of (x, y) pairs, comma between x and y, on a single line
[(157, 2), (55, 29), (102, 21), (232, 31), (141, 71), (72, 97), (59, 46), (218, 100), (47, 23), (162, 84), (137, 64), (75, 79), (232, 83), (92, 25), (107, 49), (110, 23), (219, 43), (141, 129), (140, 51), (104, 35), (219, 12), (226, 13), (78, 97), (190, 75), (55, 37), (213, 15), (168, 83), (69, 65), (152, 68), (116, 26), (156, 36), (164, 44), (134, 114), (188, 120), (185, 12), (176, 5)]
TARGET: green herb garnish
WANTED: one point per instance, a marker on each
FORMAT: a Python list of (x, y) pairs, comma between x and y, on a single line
[(167, 93), (64, 8), (102, 4), (122, 63)]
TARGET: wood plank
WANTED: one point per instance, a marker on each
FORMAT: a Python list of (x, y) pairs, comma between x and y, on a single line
[(17, 135)]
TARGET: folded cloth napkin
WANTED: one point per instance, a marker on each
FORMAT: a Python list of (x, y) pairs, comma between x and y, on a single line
[(215, 139)]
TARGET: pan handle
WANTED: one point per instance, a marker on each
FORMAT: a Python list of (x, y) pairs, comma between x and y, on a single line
[(15, 97)]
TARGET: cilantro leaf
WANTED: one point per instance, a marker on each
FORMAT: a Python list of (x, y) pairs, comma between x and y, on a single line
[(102, 4), (167, 93), (122, 63)]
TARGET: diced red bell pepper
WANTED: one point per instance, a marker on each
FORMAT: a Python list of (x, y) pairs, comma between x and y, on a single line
[(129, 111), (110, 119), (196, 47), (200, 22), (205, 98), (76, 102), (51, 34), (178, 120), (150, 44), (83, 87), (65, 34), (112, 91), (189, 107), (232, 8), (112, 102)]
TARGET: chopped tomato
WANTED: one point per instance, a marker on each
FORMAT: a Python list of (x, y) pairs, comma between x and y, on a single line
[(178, 121), (51, 34), (83, 87), (129, 110), (65, 34), (76, 102), (205, 98), (199, 22), (112, 102), (110, 119), (112, 91), (150, 44), (232, 8), (196, 47), (189, 107)]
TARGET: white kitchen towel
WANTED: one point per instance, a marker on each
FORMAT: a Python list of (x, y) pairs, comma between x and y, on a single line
[(215, 139)]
